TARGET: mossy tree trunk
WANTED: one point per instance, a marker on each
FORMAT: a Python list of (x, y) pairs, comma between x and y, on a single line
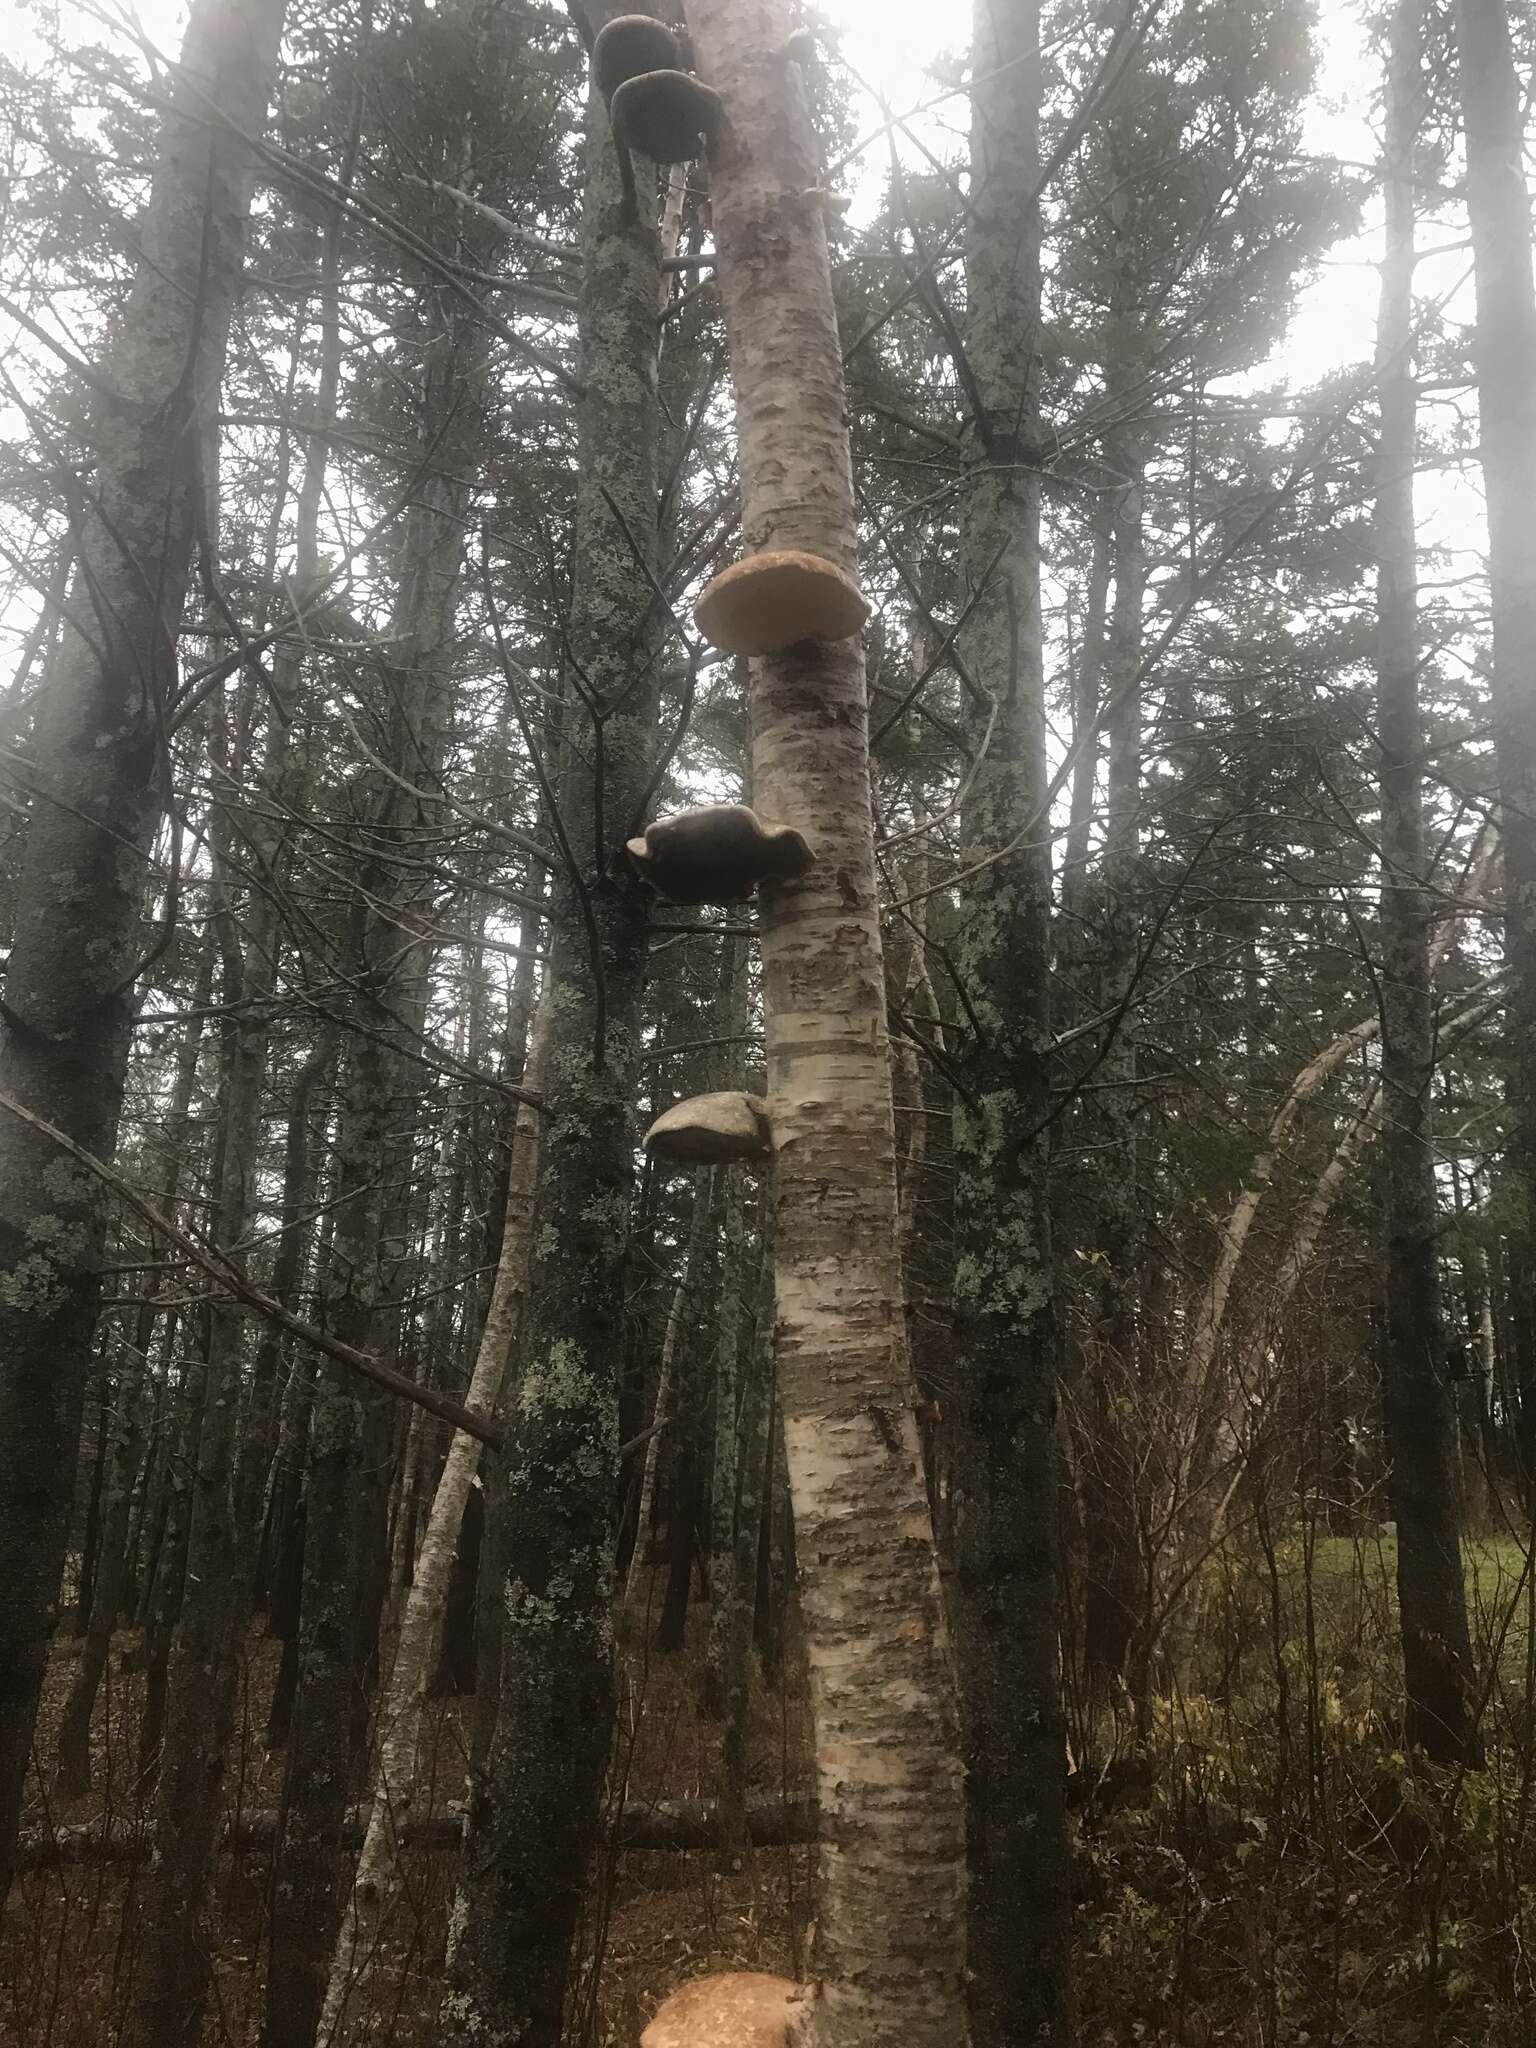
[(97, 766), (889, 1907), (536, 1807), (1005, 1447)]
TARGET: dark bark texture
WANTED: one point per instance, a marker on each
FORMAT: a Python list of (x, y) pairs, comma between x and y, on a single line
[(1419, 1409), (97, 780), (536, 1809), (1005, 1457)]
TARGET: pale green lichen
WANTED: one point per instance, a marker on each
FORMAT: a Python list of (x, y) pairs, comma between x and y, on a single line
[(562, 1379)]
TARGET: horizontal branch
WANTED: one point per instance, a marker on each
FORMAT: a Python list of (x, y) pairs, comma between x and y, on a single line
[(221, 1267), (640, 1824)]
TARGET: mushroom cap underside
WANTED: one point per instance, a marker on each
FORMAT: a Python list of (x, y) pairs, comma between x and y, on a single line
[(768, 601), (665, 115), (711, 1130)]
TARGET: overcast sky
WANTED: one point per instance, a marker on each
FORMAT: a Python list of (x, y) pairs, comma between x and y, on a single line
[(890, 44)]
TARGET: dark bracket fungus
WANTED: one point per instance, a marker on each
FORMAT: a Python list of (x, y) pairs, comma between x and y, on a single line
[(667, 116), (630, 44), (771, 600), (729, 1129), (718, 854)]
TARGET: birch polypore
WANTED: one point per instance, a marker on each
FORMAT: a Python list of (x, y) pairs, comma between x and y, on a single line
[(730, 1128), (717, 853), (739, 2009), (889, 1941), (773, 599)]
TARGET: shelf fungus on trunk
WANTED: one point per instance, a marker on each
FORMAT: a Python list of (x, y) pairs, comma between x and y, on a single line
[(737, 2009), (629, 45), (728, 1129), (771, 600), (668, 116), (718, 853)]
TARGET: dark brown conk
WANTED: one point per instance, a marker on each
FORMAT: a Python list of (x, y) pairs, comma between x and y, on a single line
[(665, 115), (718, 854), (628, 45)]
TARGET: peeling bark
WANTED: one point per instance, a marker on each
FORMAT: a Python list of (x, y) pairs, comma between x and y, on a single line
[(890, 1923)]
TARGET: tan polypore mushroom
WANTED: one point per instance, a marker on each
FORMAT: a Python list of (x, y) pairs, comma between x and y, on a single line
[(628, 45), (718, 853), (771, 600), (727, 1129), (738, 2009)]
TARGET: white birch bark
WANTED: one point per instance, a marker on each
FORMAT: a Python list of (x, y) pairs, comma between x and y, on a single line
[(393, 1796), (890, 1937), (1211, 1312)]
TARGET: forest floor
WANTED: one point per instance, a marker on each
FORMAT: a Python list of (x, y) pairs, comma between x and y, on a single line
[(1266, 1871)]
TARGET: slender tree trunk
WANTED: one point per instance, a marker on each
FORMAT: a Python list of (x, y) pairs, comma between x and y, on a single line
[(173, 1955), (345, 1531), (684, 1304), (537, 1807), (392, 1801), (488, 1590), (733, 1578), (77, 948), (1498, 207), (1115, 1579), (1005, 1444), (890, 1933), (1086, 681), (776, 1538), (127, 1434), (1420, 1413), (100, 1459), (732, 1365)]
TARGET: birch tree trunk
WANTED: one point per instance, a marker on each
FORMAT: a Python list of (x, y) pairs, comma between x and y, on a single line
[(127, 1432), (1005, 1472), (392, 1801), (890, 1937), (1420, 1414), (98, 749), (685, 1300)]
